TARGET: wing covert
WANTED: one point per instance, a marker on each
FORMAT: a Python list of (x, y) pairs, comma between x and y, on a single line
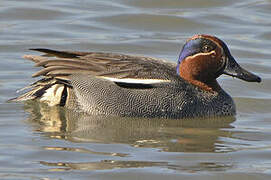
[(112, 66)]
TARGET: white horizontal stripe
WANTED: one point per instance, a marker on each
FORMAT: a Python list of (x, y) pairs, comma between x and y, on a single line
[(136, 81), (213, 53)]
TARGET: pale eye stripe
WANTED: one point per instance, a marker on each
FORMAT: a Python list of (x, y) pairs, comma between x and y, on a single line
[(136, 81), (198, 54)]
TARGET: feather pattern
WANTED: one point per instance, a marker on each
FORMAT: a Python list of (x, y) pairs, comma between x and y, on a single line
[(125, 70), (61, 64)]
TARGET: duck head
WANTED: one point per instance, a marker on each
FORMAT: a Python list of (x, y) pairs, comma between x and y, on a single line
[(204, 58)]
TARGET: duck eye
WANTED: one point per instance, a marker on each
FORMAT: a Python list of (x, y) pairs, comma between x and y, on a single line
[(206, 48)]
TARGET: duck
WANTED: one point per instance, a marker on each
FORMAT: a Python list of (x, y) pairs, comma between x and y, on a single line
[(112, 84)]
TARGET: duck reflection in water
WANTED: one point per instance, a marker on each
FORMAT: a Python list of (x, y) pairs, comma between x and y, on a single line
[(187, 135)]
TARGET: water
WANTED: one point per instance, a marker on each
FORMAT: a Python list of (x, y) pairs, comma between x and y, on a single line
[(38, 142)]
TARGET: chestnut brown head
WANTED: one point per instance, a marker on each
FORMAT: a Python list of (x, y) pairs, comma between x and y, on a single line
[(204, 58)]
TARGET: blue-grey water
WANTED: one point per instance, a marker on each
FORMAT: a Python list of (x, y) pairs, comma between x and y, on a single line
[(37, 142)]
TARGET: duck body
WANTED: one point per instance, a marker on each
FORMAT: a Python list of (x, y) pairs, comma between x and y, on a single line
[(136, 86), (177, 99)]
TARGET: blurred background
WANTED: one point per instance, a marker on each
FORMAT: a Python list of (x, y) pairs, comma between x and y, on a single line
[(38, 142)]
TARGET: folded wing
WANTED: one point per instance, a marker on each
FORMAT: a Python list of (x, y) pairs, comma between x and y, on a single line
[(125, 70), (61, 64)]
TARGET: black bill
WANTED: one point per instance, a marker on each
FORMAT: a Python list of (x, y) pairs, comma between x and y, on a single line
[(235, 70)]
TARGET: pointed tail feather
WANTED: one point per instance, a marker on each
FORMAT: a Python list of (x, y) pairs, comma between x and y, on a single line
[(48, 90), (62, 54)]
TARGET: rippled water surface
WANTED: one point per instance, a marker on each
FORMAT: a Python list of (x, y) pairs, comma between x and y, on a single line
[(38, 142)]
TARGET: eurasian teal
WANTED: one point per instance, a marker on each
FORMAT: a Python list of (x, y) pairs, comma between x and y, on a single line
[(125, 85)]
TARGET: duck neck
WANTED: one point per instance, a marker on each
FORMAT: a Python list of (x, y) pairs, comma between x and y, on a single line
[(211, 86), (202, 81)]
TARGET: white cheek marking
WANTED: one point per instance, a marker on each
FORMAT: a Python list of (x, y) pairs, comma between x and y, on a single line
[(212, 53), (136, 81)]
